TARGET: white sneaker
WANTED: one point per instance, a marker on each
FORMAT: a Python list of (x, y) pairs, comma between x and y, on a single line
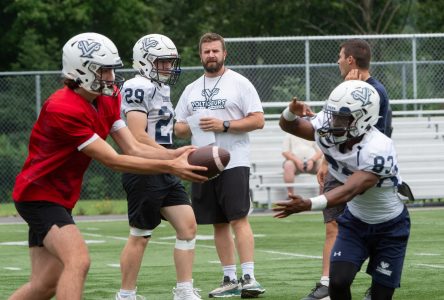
[(186, 294), (132, 297)]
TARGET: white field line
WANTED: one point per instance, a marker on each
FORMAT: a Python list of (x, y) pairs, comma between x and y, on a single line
[(291, 254), (12, 268), (430, 266)]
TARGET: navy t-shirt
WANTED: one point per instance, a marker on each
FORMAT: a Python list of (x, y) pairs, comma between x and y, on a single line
[(385, 112)]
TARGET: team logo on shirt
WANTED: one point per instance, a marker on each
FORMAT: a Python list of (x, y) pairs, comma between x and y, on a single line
[(209, 102), (362, 94), (88, 48), (148, 43)]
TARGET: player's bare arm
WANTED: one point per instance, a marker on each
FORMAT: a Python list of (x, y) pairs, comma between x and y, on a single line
[(356, 184), (292, 122), (137, 123), (182, 130), (131, 146), (251, 122), (105, 154), (322, 172), (300, 108)]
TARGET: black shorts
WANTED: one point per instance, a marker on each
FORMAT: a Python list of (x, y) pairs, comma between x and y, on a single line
[(41, 216), (332, 213), (224, 198), (147, 194)]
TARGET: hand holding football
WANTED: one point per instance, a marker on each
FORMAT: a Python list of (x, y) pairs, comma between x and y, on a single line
[(212, 157)]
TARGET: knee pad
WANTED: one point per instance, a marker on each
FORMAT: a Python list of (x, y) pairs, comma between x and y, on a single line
[(140, 232), (185, 245)]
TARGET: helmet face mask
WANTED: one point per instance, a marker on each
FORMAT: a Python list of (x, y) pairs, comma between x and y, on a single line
[(350, 111), (155, 57), (86, 57), (104, 86)]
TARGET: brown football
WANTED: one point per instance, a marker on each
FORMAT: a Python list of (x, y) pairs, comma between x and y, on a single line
[(212, 157)]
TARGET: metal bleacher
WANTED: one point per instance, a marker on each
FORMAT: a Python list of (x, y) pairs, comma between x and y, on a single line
[(419, 141)]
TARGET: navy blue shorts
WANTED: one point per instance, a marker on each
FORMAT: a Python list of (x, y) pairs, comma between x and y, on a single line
[(41, 216), (385, 244), (224, 198), (147, 194)]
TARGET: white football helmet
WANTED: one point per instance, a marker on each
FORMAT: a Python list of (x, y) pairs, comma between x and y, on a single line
[(84, 55), (155, 57), (350, 111)]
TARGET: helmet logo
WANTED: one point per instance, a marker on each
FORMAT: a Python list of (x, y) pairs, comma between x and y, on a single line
[(149, 43), (88, 48), (362, 94)]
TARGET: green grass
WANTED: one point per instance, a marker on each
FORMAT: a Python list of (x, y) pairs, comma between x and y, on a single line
[(82, 208), (280, 263)]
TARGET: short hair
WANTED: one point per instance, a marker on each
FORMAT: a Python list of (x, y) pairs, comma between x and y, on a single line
[(211, 37), (71, 84), (360, 50)]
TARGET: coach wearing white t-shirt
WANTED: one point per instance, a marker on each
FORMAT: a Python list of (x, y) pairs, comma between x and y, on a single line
[(220, 108)]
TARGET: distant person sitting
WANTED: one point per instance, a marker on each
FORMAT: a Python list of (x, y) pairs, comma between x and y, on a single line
[(301, 156)]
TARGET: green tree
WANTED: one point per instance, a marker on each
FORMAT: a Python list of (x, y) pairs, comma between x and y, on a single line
[(37, 30)]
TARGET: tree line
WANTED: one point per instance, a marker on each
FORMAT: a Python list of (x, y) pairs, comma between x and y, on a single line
[(33, 32)]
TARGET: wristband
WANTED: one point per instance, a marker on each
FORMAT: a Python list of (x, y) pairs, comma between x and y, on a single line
[(288, 115), (318, 202)]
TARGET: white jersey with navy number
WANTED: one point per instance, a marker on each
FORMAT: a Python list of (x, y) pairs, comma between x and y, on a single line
[(375, 153), (141, 94), (230, 97)]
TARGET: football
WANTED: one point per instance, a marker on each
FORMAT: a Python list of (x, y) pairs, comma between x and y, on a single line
[(212, 157)]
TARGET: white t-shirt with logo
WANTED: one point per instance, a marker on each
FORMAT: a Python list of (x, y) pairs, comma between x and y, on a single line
[(230, 97)]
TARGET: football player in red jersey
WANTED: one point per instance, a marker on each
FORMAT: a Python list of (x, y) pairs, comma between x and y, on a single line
[(70, 131)]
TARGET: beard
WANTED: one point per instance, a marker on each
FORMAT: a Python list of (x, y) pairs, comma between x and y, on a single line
[(213, 66)]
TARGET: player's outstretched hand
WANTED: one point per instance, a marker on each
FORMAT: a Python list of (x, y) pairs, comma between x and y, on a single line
[(296, 204), (299, 108), (181, 150), (182, 169)]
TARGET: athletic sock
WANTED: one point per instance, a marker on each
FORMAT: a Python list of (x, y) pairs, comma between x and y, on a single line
[(248, 268), (325, 280), (127, 293), (230, 271), (184, 285)]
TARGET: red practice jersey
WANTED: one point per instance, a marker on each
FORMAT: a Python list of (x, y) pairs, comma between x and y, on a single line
[(54, 168)]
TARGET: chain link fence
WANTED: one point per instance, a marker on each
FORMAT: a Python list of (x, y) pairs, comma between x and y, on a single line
[(410, 66)]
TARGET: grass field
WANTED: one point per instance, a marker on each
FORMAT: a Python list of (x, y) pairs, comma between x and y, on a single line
[(288, 258)]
